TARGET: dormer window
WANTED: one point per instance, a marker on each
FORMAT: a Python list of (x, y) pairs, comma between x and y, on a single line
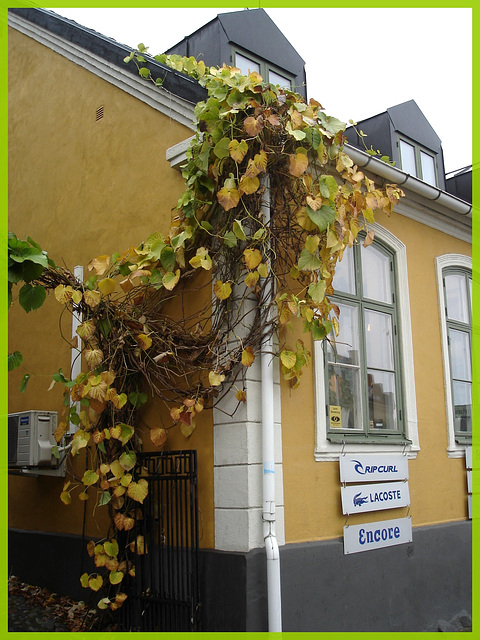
[(269, 74), (418, 162)]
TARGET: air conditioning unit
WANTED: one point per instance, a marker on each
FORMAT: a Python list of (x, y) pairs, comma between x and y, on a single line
[(31, 439)]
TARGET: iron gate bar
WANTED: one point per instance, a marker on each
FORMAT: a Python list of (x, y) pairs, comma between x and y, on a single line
[(164, 595)]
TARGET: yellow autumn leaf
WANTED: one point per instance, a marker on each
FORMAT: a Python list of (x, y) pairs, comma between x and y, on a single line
[(253, 126), (252, 257), (187, 429), (263, 270), (288, 358), (100, 264), (60, 431), (228, 198), (115, 577), (248, 185), (89, 477), (215, 379), (241, 396), (93, 357), (138, 491), (170, 279), (222, 289), (304, 220), (83, 496), (106, 286), (144, 341), (80, 441), (65, 497), (95, 582), (248, 357), (298, 164), (63, 293), (251, 279), (138, 545), (86, 329), (117, 469), (369, 238), (237, 150), (158, 436), (315, 203), (92, 298)]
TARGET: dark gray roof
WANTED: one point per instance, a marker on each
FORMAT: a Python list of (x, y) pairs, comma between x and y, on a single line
[(111, 51)]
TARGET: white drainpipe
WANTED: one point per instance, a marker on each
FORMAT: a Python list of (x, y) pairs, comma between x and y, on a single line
[(268, 445)]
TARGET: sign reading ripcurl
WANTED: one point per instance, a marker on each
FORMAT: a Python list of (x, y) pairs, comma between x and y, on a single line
[(373, 468), (375, 535), (374, 497)]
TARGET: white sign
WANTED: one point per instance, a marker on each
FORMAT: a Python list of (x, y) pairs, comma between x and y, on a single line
[(470, 506), (375, 535), (374, 497), (469, 481), (373, 467), (468, 457)]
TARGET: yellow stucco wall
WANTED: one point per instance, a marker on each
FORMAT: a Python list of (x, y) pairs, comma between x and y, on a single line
[(437, 483), (81, 188)]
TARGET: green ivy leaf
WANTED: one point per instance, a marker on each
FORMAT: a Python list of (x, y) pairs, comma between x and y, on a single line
[(32, 298), (308, 262), (230, 239), (323, 217), (24, 382), (14, 360), (317, 291)]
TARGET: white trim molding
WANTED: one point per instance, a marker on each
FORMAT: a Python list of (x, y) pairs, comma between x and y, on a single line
[(324, 448), (454, 449)]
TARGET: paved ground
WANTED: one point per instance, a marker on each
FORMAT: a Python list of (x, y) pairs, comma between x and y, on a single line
[(33, 608)]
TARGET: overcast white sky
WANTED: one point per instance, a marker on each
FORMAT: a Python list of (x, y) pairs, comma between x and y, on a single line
[(380, 58)]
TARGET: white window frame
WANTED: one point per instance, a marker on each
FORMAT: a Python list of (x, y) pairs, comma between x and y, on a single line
[(264, 66), (454, 449), (418, 150), (325, 450)]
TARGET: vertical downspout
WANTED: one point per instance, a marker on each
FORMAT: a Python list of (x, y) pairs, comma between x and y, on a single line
[(268, 445)]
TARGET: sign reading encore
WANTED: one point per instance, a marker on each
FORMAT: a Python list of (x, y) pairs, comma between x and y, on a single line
[(375, 535)]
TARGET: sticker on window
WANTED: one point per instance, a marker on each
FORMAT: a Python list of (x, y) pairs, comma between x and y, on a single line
[(335, 417)]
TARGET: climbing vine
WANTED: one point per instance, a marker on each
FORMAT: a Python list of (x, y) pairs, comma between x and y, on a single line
[(271, 202)]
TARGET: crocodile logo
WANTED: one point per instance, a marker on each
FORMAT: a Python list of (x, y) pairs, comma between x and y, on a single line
[(358, 500)]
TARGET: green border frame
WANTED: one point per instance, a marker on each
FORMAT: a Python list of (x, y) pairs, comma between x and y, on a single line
[(3, 275)]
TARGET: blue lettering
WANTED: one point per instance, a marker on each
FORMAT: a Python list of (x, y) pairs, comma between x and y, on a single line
[(358, 467), (384, 533), (376, 535), (361, 537), (396, 532)]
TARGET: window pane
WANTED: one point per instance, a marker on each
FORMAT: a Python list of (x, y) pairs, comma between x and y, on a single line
[(344, 278), (379, 340), (344, 397), (456, 296), (276, 78), (246, 65), (462, 402), (382, 405), (344, 349), (376, 275), (428, 168), (407, 157), (460, 355)]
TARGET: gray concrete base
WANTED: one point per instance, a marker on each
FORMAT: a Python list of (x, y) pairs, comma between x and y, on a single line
[(409, 587)]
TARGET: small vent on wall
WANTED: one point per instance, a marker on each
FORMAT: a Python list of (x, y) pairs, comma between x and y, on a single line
[(99, 113)]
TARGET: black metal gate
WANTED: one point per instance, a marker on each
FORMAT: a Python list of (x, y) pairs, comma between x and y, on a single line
[(164, 595)]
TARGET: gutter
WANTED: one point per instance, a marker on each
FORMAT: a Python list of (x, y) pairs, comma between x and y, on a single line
[(268, 448), (402, 179)]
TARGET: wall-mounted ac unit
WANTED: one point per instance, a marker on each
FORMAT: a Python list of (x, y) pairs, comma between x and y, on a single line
[(31, 439)]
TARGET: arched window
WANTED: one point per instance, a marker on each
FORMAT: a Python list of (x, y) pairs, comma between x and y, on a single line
[(365, 391)]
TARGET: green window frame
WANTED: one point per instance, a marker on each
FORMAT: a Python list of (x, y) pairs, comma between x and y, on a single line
[(269, 72), (457, 291), (415, 160), (363, 381)]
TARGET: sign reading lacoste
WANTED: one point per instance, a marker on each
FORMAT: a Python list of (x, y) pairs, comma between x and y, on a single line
[(375, 535), (374, 497), (373, 467)]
